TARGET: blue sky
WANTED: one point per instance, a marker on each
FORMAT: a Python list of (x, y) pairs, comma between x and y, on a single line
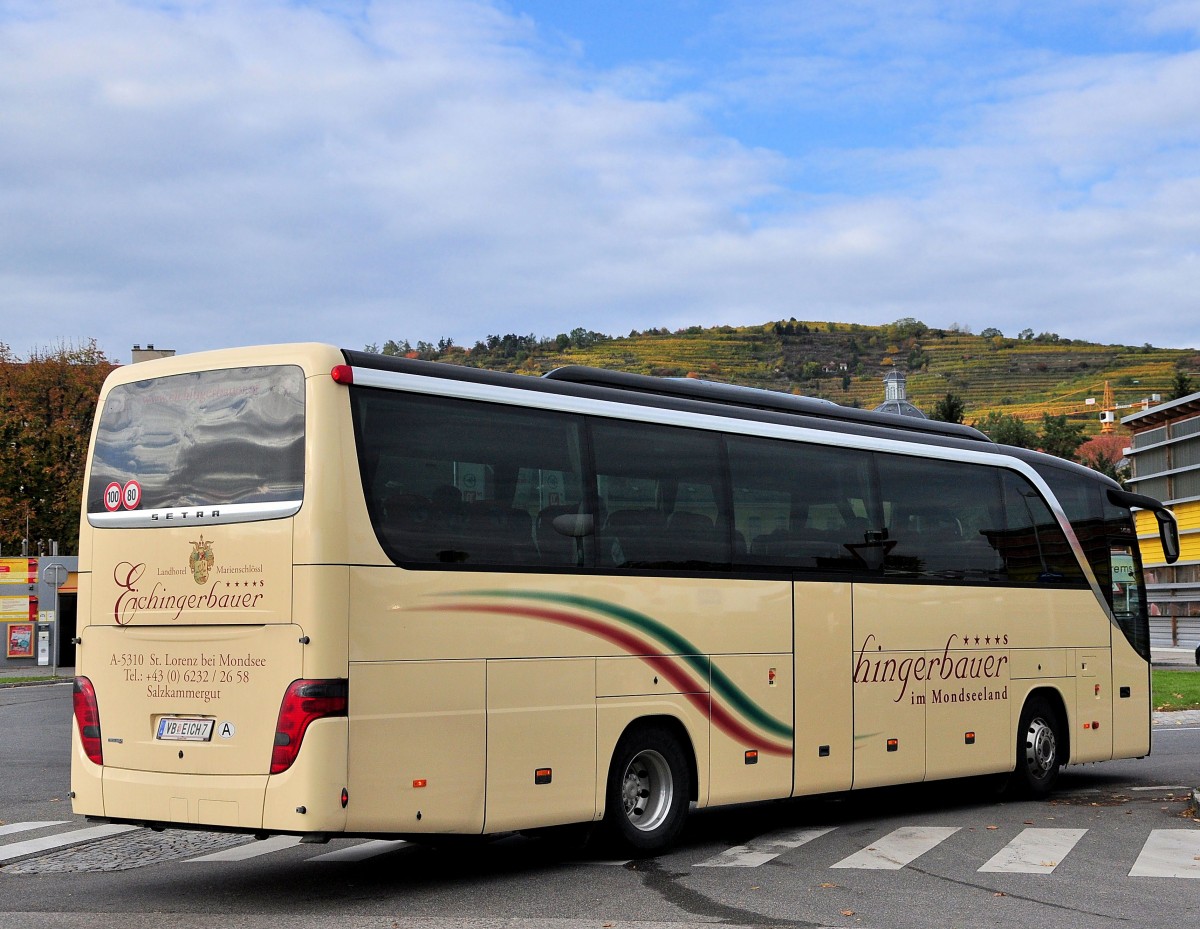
[(202, 173)]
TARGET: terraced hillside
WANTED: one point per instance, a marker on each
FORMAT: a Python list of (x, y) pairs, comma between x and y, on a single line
[(1025, 376)]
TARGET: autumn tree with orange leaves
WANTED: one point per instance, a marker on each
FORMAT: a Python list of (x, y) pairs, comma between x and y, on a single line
[(47, 402)]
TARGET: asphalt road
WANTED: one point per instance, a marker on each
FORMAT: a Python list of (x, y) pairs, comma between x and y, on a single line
[(1112, 848)]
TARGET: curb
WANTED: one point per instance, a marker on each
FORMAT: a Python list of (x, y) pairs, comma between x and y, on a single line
[(36, 683)]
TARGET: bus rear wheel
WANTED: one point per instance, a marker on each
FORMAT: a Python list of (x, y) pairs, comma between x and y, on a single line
[(1040, 748), (648, 790)]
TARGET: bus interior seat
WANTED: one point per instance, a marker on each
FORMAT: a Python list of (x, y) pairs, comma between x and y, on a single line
[(636, 537), (498, 533), (696, 538)]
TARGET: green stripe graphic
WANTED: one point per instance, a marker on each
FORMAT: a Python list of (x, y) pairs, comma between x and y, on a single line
[(672, 640)]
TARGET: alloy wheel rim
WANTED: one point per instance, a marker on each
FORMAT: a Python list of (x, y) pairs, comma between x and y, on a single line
[(1041, 747), (647, 790)]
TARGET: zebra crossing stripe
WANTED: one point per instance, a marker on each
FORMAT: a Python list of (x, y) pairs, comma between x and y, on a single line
[(1173, 853), (895, 850), (1034, 851), (62, 840), (1169, 853), (11, 828), (763, 849), (252, 849), (362, 850)]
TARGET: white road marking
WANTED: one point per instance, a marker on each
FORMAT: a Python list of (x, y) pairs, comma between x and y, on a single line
[(62, 840), (763, 849), (1169, 853), (1035, 851), (27, 827), (895, 850), (252, 849), (361, 851)]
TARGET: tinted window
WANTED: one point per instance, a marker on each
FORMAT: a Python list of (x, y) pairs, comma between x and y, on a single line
[(1035, 549), (1107, 535), (802, 507), (662, 497), (941, 518), (458, 482), (233, 436), (452, 482)]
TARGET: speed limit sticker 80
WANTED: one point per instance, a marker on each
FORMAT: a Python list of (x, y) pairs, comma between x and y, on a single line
[(116, 496)]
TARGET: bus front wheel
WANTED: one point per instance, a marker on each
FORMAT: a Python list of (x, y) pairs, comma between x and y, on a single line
[(1040, 749), (648, 790)]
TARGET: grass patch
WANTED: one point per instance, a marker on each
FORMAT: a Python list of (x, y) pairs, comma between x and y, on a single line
[(1176, 690), (31, 680)]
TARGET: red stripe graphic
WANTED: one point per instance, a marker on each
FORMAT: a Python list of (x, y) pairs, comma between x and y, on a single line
[(639, 647)]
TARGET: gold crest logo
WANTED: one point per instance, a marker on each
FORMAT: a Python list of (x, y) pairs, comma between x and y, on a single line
[(201, 560)]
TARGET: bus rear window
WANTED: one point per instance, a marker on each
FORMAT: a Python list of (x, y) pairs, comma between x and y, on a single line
[(230, 439)]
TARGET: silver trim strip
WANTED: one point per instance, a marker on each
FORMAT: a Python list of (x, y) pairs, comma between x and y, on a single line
[(212, 515)]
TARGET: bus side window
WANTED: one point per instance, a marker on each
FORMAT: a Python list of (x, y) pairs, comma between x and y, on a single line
[(457, 482), (940, 519), (1034, 547), (662, 492), (799, 507)]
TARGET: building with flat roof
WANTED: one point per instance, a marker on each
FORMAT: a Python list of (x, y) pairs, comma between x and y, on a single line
[(1166, 465)]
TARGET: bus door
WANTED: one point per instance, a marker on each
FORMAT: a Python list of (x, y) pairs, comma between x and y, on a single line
[(824, 710), (1130, 674), (889, 697)]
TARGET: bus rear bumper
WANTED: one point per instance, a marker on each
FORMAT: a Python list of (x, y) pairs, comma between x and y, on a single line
[(308, 798), (232, 802)]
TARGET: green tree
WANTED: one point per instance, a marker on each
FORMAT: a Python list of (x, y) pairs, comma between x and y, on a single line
[(906, 328), (47, 403), (1059, 437), (392, 347), (1181, 385), (1006, 429), (949, 409)]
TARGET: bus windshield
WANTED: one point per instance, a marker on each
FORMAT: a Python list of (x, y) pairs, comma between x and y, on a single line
[(230, 438)]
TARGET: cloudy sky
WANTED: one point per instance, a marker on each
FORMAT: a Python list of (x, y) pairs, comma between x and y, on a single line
[(204, 173)]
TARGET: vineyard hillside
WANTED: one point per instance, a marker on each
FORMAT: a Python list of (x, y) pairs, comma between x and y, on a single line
[(1024, 376)]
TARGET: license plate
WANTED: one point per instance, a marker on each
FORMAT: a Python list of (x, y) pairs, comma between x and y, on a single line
[(181, 729)]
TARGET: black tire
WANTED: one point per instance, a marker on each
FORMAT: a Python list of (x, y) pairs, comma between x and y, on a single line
[(648, 792), (1040, 749)]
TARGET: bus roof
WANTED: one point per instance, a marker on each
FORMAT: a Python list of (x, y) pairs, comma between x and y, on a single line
[(756, 398), (698, 396)]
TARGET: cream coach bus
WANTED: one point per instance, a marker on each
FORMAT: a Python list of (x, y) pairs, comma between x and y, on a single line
[(326, 592)]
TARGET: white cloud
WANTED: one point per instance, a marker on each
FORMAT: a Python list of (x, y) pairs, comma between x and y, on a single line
[(225, 173)]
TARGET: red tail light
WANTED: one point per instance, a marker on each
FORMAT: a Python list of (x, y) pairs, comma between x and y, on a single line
[(304, 702), (87, 718)]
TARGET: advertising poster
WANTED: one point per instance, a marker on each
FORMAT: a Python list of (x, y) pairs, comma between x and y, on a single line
[(20, 640), (17, 607)]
